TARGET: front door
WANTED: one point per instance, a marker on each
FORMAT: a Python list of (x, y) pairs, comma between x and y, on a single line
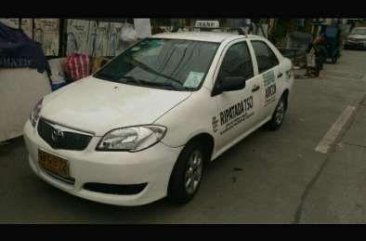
[(236, 112)]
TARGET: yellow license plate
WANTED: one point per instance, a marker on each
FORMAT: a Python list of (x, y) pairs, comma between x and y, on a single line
[(53, 164)]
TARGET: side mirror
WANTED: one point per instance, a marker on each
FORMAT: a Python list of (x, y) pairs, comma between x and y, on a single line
[(233, 83), (229, 84)]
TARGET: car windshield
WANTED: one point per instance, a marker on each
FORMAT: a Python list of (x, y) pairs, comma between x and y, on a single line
[(162, 63), (360, 31)]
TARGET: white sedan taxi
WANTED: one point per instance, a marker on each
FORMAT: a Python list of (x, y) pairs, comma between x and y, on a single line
[(143, 126)]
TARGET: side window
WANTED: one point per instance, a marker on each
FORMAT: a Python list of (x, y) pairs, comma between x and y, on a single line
[(266, 59), (237, 62)]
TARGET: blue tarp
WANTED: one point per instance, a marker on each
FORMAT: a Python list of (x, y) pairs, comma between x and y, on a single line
[(17, 50)]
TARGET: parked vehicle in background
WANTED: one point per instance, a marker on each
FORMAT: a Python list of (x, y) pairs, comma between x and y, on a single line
[(356, 39)]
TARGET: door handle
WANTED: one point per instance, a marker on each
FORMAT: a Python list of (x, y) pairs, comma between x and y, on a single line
[(255, 88), (279, 75)]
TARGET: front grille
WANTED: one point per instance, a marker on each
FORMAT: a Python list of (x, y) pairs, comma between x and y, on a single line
[(114, 188), (359, 41), (66, 140)]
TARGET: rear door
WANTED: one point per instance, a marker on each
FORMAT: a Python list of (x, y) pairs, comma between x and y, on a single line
[(268, 70)]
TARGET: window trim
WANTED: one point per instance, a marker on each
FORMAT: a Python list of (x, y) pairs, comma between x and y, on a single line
[(220, 61), (269, 47)]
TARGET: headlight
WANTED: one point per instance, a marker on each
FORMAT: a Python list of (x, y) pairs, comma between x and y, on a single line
[(131, 139), (34, 116)]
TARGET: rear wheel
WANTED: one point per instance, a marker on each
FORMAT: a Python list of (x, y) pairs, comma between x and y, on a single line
[(187, 173), (278, 115)]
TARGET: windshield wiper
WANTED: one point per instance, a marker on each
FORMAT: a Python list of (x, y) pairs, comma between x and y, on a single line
[(164, 85), (151, 70), (131, 79)]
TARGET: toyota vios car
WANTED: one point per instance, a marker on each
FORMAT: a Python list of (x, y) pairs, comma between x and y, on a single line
[(356, 39), (143, 126)]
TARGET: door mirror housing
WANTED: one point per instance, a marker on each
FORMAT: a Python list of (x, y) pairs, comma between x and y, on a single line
[(233, 83), (229, 83)]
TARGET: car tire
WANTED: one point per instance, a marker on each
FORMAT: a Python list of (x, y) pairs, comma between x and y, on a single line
[(187, 173), (278, 115)]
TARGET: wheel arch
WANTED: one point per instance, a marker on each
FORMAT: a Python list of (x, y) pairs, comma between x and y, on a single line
[(174, 192), (207, 140), (285, 94)]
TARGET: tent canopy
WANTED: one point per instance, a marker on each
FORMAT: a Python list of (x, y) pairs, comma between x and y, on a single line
[(17, 50)]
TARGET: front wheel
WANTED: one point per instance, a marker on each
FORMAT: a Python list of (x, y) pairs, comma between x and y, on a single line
[(187, 173), (278, 115)]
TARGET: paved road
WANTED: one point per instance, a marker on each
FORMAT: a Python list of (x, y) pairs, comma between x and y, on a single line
[(270, 177)]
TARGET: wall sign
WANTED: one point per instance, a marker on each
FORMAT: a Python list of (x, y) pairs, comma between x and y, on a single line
[(10, 22), (114, 41), (80, 36), (27, 26), (47, 32)]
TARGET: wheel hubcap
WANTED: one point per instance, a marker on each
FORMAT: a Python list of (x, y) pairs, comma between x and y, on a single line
[(280, 112), (193, 172)]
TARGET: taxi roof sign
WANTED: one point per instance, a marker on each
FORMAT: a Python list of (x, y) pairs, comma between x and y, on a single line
[(207, 24)]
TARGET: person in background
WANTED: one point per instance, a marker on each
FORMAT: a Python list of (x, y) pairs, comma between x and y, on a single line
[(316, 57)]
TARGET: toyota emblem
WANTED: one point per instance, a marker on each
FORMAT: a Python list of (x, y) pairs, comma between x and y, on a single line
[(57, 135)]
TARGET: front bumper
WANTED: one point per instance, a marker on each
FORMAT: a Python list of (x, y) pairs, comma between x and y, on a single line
[(355, 44), (152, 166)]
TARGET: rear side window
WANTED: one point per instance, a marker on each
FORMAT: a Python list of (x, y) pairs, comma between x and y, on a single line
[(266, 59), (237, 62)]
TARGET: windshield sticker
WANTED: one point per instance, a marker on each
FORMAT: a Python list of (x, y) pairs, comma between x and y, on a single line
[(233, 115), (135, 48), (155, 42), (193, 79), (270, 87)]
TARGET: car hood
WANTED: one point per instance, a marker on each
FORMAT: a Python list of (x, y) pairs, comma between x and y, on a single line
[(357, 36), (97, 106)]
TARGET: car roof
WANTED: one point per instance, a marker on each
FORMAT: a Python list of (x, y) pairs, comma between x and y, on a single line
[(216, 37)]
